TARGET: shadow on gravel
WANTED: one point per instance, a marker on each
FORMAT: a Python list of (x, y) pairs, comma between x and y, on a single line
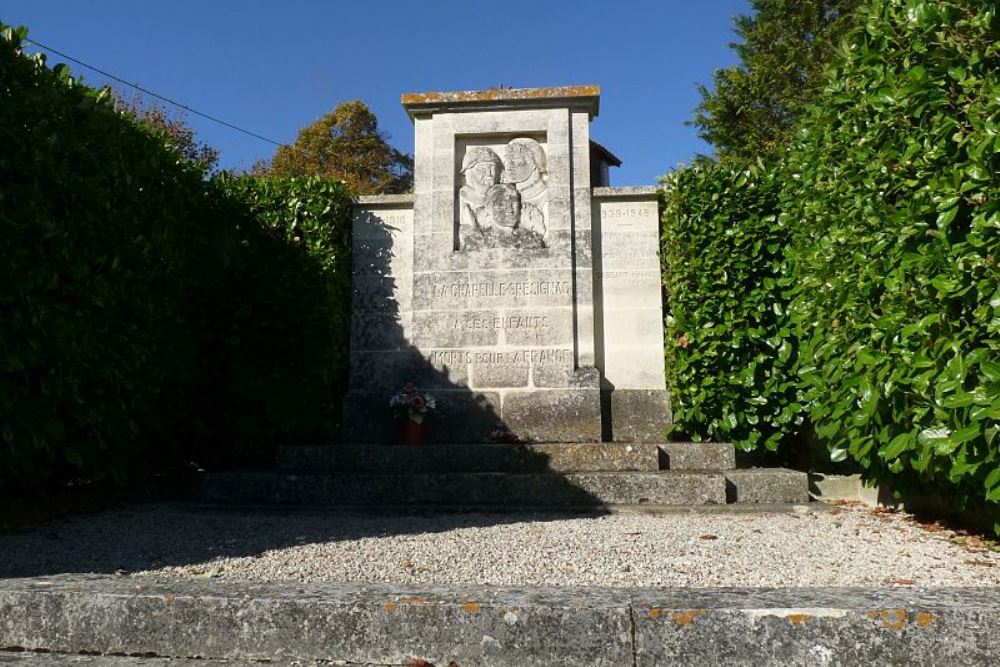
[(153, 536)]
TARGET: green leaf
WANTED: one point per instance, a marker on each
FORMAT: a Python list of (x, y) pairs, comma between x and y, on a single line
[(946, 217), (965, 434), (993, 479), (959, 399), (976, 172), (897, 445), (991, 370), (944, 285), (934, 437)]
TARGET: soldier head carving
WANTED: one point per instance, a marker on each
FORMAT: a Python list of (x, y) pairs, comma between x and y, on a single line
[(501, 201), (481, 168), (525, 167)]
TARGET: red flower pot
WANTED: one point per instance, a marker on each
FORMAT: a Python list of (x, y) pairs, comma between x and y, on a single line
[(410, 432)]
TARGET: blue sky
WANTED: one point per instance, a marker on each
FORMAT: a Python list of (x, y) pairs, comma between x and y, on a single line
[(272, 67)]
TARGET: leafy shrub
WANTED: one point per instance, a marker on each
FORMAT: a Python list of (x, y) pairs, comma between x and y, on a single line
[(149, 316), (282, 349), (894, 190), (103, 234), (728, 349)]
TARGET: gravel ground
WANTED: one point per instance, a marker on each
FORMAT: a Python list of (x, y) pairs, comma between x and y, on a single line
[(847, 546)]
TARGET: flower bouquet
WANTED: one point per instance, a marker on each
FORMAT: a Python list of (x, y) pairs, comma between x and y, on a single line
[(411, 407)]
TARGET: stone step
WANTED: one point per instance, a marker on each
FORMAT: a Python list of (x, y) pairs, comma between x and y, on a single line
[(513, 458), (291, 622), (589, 489), (761, 486), (767, 485), (697, 456), (522, 458)]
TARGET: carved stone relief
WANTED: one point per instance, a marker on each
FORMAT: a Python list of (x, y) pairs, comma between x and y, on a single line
[(503, 201)]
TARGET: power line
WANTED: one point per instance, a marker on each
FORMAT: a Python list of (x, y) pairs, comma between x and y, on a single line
[(150, 92)]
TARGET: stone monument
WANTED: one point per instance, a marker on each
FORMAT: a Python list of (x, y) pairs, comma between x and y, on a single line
[(523, 292), (514, 284)]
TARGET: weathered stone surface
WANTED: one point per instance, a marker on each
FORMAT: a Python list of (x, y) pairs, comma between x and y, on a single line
[(368, 418), (511, 458), (463, 416), (831, 488), (572, 97), (659, 488), (471, 625), (816, 627), (502, 273), (629, 315), (357, 624), (550, 327), (509, 213), (698, 456), (501, 375), (557, 373), (639, 415), (554, 415), (767, 485), (470, 328), (405, 199), (495, 290), (388, 370), (584, 489), (32, 658), (378, 331)]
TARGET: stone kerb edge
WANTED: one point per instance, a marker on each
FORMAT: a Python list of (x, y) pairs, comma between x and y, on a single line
[(500, 626)]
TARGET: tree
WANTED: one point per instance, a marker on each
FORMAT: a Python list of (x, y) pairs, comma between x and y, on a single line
[(755, 105), (345, 145), (172, 124)]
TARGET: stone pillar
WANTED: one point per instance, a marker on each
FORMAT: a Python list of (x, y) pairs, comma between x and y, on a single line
[(630, 306), (381, 357), (503, 284)]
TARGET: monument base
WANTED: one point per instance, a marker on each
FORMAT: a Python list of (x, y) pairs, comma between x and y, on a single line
[(636, 415), (468, 416), (554, 415)]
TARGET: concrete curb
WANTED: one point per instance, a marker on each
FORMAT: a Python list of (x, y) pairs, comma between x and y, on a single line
[(473, 625)]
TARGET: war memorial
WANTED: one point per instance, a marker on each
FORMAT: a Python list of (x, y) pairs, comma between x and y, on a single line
[(513, 283), (521, 291)]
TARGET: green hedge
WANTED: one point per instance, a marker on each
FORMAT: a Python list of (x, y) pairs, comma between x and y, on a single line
[(875, 245), (727, 342), (102, 234), (149, 316), (893, 189), (282, 349)]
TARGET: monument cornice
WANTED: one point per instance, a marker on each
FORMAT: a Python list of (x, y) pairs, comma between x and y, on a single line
[(403, 200), (577, 98), (641, 192)]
